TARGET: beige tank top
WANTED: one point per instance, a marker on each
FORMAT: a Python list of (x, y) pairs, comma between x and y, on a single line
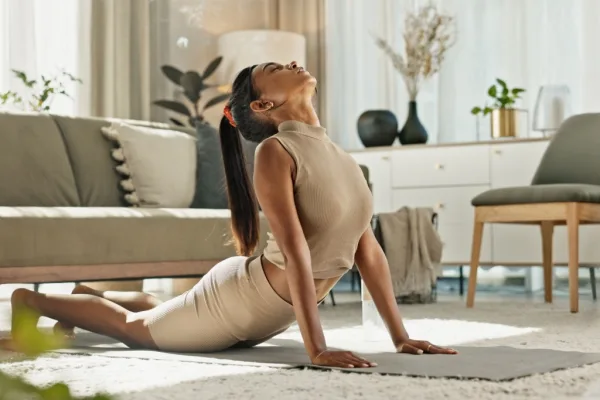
[(332, 197)]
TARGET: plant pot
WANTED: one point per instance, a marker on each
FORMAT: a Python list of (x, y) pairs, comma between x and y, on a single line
[(413, 132), (117, 286), (377, 128), (504, 123)]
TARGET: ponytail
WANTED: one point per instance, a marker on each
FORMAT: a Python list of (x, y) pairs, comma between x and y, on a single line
[(242, 200)]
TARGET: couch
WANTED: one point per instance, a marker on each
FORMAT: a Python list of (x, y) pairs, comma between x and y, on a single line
[(63, 217)]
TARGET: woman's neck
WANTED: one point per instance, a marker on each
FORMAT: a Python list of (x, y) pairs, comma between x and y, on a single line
[(301, 112)]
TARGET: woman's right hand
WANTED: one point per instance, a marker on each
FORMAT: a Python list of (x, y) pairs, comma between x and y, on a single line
[(341, 359)]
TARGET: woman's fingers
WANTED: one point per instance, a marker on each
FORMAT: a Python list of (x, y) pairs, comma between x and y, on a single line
[(409, 349), (360, 362), (441, 350)]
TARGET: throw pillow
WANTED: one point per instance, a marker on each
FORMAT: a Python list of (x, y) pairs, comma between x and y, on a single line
[(158, 165), (211, 189)]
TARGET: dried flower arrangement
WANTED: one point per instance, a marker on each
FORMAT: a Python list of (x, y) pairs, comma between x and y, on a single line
[(428, 34)]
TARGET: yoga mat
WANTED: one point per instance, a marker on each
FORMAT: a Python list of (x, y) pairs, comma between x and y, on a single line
[(499, 363)]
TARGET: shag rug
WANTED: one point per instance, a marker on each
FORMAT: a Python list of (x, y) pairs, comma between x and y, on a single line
[(504, 322)]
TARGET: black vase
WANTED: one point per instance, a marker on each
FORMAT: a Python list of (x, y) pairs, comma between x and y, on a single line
[(413, 132), (377, 128)]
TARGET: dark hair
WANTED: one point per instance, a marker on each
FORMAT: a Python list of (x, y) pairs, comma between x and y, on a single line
[(245, 223)]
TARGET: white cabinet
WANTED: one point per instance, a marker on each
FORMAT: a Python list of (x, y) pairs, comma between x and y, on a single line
[(447, 177), (380, 173)]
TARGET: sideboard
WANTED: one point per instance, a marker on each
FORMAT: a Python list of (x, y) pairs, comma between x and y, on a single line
[(447, 176)]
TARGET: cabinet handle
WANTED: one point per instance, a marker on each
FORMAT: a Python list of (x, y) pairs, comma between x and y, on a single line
[(439, 166), (439, 206), (385, 158), (497, 151)]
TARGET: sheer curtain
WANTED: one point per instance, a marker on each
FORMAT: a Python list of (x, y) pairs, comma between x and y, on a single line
[(39, 37), (527, 43)]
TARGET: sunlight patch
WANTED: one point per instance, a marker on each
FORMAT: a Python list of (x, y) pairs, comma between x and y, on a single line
[(444, 332)]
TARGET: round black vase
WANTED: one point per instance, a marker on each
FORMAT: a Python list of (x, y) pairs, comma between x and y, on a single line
[(377, 128), (413, 132)]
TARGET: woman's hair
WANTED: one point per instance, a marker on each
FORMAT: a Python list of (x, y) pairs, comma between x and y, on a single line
[(245, 222)]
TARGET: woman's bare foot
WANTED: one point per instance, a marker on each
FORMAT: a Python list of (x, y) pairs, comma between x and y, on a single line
[(68, 331)]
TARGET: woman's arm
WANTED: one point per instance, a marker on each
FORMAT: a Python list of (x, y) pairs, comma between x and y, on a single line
[(273, 183), (374, 270)]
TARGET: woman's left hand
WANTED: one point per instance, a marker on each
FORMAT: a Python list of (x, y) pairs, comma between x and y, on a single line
[(411, 346)]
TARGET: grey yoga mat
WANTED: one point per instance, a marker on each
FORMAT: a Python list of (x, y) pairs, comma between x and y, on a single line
[(499, 363)]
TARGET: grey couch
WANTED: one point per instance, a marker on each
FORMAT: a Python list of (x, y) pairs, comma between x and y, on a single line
[(63, 218)]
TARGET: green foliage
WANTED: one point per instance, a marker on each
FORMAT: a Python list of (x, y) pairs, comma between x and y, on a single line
[(192, 84), (502, 96), (41, 92), (29, 340)]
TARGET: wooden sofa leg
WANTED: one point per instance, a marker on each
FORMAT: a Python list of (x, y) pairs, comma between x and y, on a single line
[(475, 255), (573, 230), (547, 228)]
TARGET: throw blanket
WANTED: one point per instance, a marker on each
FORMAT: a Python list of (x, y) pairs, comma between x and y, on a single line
[(414, 250)]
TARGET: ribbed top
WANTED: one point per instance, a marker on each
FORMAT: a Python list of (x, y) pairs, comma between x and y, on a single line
[(332, 197)]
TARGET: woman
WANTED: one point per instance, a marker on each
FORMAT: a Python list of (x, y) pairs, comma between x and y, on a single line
[(318, 206)]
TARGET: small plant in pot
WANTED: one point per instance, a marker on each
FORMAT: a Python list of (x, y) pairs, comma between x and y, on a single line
[(504, 115), (210, 175), (192, 84)]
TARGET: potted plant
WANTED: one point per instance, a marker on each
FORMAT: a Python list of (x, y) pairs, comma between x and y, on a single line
[(504, 117), (192, 85), (428, 35)]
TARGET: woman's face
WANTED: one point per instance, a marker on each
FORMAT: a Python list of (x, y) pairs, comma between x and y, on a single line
[(277, 83)]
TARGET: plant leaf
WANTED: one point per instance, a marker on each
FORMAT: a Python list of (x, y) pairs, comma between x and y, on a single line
[(176, 122), (492, 91), (211, 67), (173, 106), (487, 110), (516, 91), (172, 73), (501, 82), (475, 110), (193, 85), (216, 100)]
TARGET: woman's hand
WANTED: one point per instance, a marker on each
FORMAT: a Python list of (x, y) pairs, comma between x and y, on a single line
[(341, 359), (410, 346)]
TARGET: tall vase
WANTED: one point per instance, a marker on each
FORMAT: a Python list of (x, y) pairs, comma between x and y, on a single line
[(413, 132)]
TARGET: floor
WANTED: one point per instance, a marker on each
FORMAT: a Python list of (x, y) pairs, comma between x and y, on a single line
[(504, 318)]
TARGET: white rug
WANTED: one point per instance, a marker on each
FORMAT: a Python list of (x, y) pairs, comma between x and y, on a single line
[(513, 322)]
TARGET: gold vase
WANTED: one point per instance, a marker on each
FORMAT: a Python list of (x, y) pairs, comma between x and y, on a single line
[(504, 123)]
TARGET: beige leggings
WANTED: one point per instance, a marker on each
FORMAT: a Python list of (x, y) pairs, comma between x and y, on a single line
[(232, 305)]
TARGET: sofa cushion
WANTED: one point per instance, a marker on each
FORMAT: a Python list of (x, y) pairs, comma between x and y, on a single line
[(89, 152), (555, 193), (39, 236), (158, 165), (34, 165)]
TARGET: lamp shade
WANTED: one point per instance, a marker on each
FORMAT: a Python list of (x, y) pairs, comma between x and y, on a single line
[(552, 107), (241, 49)]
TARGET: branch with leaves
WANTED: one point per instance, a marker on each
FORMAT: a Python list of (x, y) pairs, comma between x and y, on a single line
[(502, 95), (192, 84), (42, 91), (428, 35)]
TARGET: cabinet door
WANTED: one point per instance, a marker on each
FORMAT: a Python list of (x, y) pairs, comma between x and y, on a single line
[(380, 176), (514, 164)]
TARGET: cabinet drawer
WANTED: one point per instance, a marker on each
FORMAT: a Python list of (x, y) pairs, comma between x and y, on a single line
[(441, 166), (458, 238), (453, 204)]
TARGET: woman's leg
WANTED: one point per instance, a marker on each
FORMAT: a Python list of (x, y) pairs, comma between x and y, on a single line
[(132, 301), (88, 312)]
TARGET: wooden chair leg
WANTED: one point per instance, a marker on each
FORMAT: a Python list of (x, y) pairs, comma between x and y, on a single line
[(547, 228), (475, 254), (573, 233)]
